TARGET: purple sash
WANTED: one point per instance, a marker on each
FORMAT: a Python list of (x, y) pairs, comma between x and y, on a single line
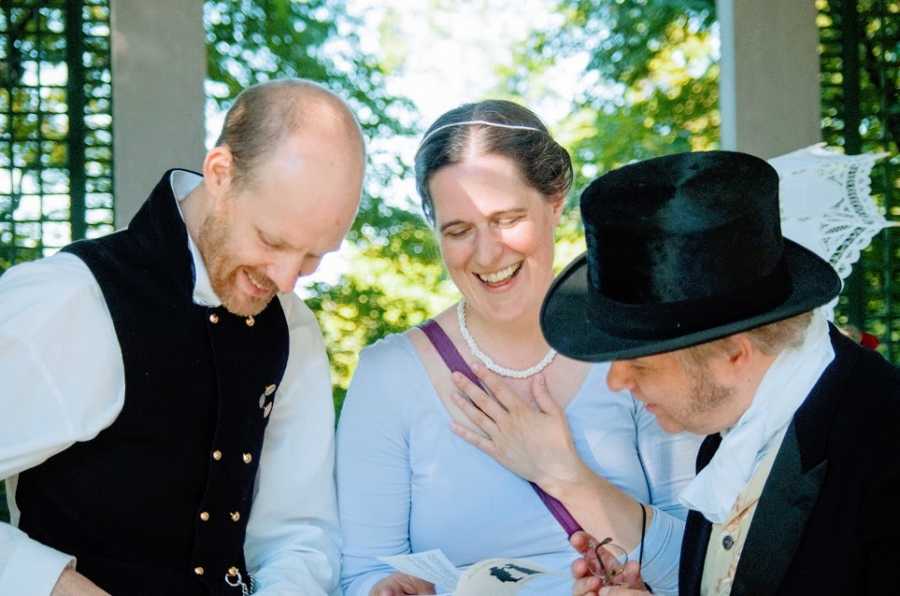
[(454, 361)]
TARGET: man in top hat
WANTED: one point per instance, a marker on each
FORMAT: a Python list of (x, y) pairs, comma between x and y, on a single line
[(708, 316), (167, 423)]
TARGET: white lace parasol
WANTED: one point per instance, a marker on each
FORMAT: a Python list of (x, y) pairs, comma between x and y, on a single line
[(826, 205)]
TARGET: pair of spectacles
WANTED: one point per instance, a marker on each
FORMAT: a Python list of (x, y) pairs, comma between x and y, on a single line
[(606, 560)]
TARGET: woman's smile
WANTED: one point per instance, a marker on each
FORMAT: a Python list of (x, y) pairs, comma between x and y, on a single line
[(501, 279)]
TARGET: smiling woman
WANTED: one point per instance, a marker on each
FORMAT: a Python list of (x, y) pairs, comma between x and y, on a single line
[(493, 183), (496, 232)]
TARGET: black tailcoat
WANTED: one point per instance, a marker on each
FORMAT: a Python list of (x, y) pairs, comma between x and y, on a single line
[(827, 521)]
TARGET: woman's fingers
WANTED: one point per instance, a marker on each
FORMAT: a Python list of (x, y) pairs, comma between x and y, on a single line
[(580, 569), (620, 591), (588, 581), (586, 586), (400, 584), (485, 402), (631, 575), (581, 541), (541, 393), (473, 438), (503, 394), (475, 415), (420, 586)]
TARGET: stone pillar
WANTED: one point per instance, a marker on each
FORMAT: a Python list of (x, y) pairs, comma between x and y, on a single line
[(769, 78), (158, 69)]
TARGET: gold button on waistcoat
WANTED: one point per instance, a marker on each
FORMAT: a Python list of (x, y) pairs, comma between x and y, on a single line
[(270, 389), (199, 570), (204, 515), (232, 571), (217, 455), (235, 516), (248, 458), (250, 321), (214, 318)]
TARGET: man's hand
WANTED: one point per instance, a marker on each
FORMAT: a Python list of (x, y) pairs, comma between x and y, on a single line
[(400, 584), (72, 583), (588, 578)]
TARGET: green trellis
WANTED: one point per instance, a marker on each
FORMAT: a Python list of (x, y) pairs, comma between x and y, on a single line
[(859, 42), (56, 180), (56, 175)]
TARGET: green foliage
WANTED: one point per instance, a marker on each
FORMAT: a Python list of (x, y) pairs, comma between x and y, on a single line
[(626, 39), (251, 41), (41, 128), (650, 83), (651, 88), (396, 280), (859, 73), (16, 246)]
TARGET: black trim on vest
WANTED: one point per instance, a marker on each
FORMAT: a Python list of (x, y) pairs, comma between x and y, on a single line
[(158, 502)]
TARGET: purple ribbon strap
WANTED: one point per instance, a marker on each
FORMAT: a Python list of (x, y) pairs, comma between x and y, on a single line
[(455, 362)]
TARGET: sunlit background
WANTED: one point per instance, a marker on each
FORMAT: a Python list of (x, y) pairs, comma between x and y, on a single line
[(615, 80), (439, 55)]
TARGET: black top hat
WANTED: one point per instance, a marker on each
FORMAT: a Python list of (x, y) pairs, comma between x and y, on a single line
[(681, 250)]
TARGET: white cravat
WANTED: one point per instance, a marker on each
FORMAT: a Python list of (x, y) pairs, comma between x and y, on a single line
[(783, 389)]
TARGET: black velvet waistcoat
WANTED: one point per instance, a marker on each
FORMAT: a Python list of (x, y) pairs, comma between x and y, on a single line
[(158, 502)]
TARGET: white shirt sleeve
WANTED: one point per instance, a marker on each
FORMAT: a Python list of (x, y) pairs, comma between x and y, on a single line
[(63, 382), (292, 544)]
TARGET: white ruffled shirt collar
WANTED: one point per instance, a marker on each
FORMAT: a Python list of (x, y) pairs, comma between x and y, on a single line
[(762, 427), (183, 183)]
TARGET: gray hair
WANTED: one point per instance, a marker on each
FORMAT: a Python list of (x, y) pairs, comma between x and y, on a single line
[(769, 339)]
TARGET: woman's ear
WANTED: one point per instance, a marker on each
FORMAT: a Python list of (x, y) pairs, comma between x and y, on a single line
[(558, 204)]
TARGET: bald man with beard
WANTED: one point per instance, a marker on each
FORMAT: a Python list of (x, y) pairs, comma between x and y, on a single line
[(168, 422)]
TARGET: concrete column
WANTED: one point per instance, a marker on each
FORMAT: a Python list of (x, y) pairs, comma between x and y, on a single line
[(158, 69), (769, 78)]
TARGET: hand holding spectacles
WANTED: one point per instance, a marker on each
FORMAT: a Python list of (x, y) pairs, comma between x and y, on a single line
[(603, 564), (606, 560)]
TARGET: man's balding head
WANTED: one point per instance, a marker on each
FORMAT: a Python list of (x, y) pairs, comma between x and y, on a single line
[(280, 190), (265, 115)]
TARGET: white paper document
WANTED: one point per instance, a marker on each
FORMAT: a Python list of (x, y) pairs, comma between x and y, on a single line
[(497, 577), (432, 566)]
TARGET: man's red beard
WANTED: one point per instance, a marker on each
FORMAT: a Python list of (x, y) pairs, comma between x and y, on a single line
[(223, 269)]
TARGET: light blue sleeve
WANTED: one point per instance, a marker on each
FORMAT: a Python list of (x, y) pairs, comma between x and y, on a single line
[(669, 463), (373, 470)]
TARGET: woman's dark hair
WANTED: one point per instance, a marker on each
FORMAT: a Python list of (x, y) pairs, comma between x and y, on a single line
[(545, 165)]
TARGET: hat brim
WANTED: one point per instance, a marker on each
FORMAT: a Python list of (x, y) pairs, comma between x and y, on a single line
[(573, 321)]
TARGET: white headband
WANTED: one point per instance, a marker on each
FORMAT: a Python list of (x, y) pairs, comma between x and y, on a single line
[(484, 122)]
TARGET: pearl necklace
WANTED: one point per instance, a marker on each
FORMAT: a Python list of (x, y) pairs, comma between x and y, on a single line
[(488, 362)]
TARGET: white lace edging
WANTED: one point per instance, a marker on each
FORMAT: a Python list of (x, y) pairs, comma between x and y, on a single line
[(827, 204)]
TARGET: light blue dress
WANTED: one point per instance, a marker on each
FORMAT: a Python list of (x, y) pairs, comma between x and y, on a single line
[(407, 484)]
